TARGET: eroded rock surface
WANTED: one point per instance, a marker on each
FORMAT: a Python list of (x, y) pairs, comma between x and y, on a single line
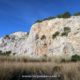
[(56, 37)]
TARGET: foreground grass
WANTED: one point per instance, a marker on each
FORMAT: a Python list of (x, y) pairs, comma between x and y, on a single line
[(11, 70)]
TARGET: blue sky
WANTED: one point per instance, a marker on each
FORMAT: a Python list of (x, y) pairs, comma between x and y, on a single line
[(19, 15)]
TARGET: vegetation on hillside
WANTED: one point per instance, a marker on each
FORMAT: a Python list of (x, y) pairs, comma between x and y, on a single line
[(55, 34), (43, 37), (6, 37), (66, 31), (75, 57), (7, 53), (64, 15), (77, 14)]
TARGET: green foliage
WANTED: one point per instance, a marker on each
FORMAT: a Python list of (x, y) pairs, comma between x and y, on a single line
[(66, 31), (64, 34), (65, 15), (43, 37), (0, 52), (7, 53), (39, 21), (55, 35), (49, 18), (6, 36), (77, 14), (75, 58)]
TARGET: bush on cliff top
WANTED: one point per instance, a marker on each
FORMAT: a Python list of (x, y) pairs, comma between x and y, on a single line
[(77, 14), (64, 15)]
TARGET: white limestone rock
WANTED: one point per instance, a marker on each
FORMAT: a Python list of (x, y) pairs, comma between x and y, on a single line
[(60, 46), (57, 37)]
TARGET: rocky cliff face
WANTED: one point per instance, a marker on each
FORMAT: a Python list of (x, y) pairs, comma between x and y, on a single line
[(57, 37), (14, 42)]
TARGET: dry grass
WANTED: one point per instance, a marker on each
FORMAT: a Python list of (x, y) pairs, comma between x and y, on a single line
[(10, 70)]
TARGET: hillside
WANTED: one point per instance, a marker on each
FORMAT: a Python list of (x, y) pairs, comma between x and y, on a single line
[(54, 38)]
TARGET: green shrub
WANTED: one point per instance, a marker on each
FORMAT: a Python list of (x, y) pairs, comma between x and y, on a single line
[(77, 14), (14, 53), (7, 53), (43, 37), (66, 31), (65, 15), (48, 18), (55, 35), (75, 58), (1, 53), (64, 34), (6, 37), (39, 21)]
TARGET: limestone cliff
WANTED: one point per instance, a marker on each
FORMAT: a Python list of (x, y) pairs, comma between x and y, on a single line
[(57, 37)]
